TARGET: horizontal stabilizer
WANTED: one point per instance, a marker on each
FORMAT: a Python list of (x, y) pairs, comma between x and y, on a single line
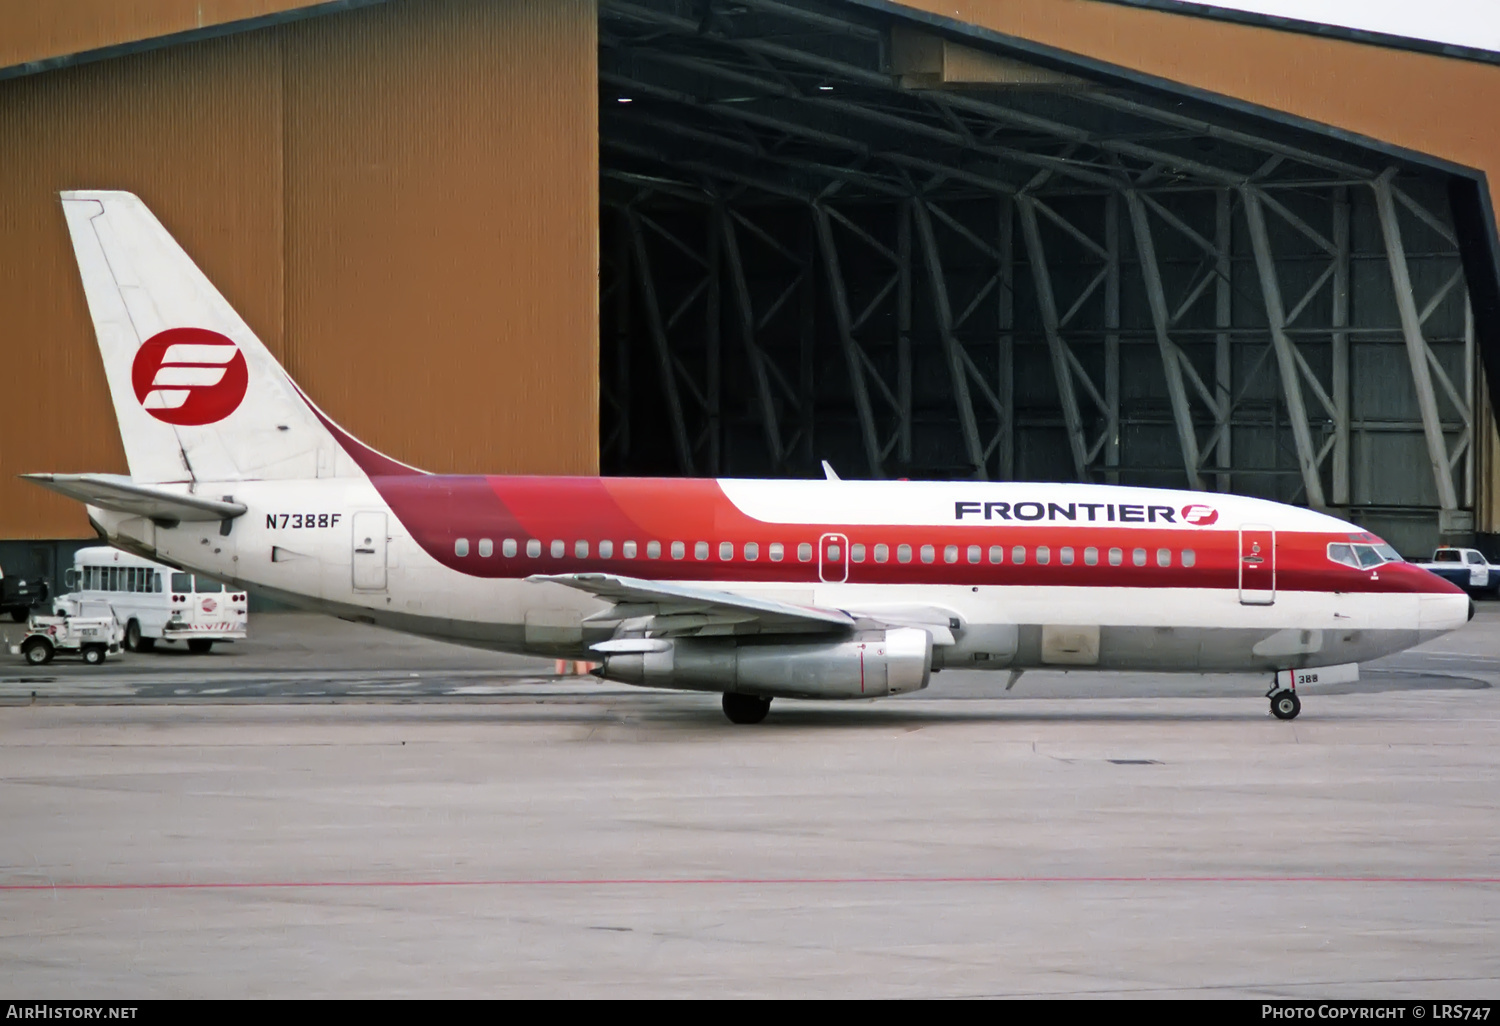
[(123, 495)]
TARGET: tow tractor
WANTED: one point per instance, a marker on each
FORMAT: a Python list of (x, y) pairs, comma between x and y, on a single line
[(88, 629)]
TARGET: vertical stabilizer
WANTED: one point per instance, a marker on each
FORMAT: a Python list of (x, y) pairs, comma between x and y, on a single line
[(197, 396)]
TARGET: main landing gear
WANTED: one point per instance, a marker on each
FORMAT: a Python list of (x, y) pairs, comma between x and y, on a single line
[(1285, 705), (745, 708)]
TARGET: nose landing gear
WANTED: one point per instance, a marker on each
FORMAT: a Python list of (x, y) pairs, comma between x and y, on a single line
[(1285, 705)]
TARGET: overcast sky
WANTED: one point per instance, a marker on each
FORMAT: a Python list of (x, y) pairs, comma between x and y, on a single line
[(1473, 23)]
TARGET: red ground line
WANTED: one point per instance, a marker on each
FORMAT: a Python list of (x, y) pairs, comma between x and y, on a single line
[(744, 882)]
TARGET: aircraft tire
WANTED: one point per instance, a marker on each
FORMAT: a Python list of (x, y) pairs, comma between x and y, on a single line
[(745, 708), (1285, 705)]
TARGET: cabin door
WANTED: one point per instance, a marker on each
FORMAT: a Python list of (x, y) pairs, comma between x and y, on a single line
[(1257, 565)]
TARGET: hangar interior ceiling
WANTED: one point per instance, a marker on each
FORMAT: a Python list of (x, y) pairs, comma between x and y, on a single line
[(831, 233)]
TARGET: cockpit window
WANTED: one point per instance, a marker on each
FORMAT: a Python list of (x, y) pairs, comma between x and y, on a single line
[(1362, 557)]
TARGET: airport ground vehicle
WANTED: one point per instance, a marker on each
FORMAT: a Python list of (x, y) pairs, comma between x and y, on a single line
[(18, 595), (757, 589), (1466, 568), (85, 628), (157, 603)]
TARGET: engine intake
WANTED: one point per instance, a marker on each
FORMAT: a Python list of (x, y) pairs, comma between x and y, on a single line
[(874, 664)]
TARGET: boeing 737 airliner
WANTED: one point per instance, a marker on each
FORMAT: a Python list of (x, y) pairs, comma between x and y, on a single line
[(756, 589)]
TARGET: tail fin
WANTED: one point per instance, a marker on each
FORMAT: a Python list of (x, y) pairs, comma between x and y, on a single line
[(197, 396)]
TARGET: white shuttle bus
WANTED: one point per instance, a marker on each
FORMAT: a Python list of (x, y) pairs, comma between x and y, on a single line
[(157, 603)]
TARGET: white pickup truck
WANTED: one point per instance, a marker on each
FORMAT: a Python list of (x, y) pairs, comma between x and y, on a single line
[(1466, 568)]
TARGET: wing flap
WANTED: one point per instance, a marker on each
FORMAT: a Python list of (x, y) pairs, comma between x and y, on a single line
[(666, 609), (123, 495)]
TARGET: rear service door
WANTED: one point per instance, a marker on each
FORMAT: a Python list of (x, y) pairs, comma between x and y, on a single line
[(369, 551), (1257, 565)]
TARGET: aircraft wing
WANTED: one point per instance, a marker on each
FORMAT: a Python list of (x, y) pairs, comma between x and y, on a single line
[(123, 495), (665, 610)]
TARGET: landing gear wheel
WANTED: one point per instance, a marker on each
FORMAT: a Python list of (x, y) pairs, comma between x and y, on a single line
[(37, 651), (1285, 705), (133, 636), (93, 654), (199, 646), (745, 708)]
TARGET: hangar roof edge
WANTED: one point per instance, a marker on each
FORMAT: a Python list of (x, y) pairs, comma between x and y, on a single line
[(41, 57), (1347, 33)]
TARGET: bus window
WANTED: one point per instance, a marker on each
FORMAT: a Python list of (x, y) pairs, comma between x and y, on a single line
[(182, 582)]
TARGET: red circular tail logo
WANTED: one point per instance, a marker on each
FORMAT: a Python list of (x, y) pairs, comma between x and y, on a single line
[(189, 376), (1199, 515)]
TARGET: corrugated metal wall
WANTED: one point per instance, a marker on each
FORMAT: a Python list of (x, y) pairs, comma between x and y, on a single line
[(401, 200), (36, 31)]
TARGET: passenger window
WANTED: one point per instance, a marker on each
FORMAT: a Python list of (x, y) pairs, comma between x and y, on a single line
[(1116, 557), (700, 550), (950, 553), (882, 553), (804, 552), (997, 553), (653, 550), (778, 551), (182, 582), (581, 550), (1043, 555), (1163, 557), (1065, 555), (1018, 555), (726, 551), (508, 547), (628, 550), (903, 553), (559, 547), (461, 547), (678, 550), (486, 547), (533, 547), (928, 553), (156, 583), (834, 555), (1091, 556), (752, 551), (606, 550), (1189, 557), (974, 553), (1138, 557), (1475, 557), (857, 552)]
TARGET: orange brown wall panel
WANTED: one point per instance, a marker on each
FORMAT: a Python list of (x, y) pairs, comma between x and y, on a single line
[(196, 132), (401, 200), (1424, 102), (38, 30), (442, 220)]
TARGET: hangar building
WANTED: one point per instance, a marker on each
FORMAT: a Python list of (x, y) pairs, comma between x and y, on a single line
[(1129, 241)]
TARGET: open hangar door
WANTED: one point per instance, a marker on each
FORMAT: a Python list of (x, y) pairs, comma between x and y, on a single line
[(830, 232)]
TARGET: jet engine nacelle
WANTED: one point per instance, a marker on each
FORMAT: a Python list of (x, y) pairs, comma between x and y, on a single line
[(875, 664)]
